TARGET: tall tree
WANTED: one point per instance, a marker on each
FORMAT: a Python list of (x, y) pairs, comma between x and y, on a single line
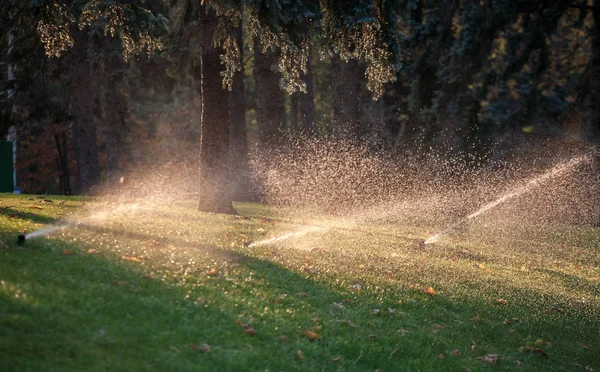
[(81, 95), (215, 193), (346, 83), (306, 101), (270, 101), (239, 134)]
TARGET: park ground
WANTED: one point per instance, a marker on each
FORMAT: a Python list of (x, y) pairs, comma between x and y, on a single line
[(139, 286)]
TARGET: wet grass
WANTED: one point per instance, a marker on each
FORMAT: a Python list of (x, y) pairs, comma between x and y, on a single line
[(164, 287)]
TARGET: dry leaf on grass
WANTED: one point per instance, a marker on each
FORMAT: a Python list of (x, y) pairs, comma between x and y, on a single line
[(299, 354), (201, 300), (430, 291), (205, 348), (455, 352), (502, 301), (250, 331), (283, 338), (310, 335), (66, 252), (489, 358), (212, 272), (131, 259), (336, 359)]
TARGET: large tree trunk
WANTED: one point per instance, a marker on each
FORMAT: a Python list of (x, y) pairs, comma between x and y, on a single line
[(215, 194), (270, 101), (81, 107), (346, 78), (239, 134)]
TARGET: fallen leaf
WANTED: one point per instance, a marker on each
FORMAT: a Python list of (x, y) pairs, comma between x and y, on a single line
[(489, 358), (589, 369), (205, 348), (438, 326), (299, 354), (316, 320), (200, 300), (337, 305), (350, 324), (120, 282), (402, 330), (375, 311), (283, 339), (212, 272), (372, 336), (35, 207), (502, 301), (441, 356), (311, 335), (302, 294), (473, 345), (357, 287), (93, 251), (430, 291), (350, 302), (336, 359), (66, 252), (455, 352), (131, 259), (250, 331)]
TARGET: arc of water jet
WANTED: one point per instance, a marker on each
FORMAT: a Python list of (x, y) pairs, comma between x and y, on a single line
[(554, 172), (287, 236)]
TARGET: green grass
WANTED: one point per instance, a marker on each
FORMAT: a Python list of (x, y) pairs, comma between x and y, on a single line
[(119, 291)]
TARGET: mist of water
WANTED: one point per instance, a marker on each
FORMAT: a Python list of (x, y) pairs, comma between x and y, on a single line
[(556, 171)]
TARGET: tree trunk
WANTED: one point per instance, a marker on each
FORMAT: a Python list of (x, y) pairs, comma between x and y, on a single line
[(270, 101), (81, 107), (295, 128), (595, 76), (215, 194), (60, 140), (114, 110), (346, 78), (306, 102), (239, 135)]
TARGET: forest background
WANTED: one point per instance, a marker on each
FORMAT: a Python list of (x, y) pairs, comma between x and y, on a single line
[(102, 89)]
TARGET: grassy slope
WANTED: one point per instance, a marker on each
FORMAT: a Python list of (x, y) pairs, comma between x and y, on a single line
[(121, 293)]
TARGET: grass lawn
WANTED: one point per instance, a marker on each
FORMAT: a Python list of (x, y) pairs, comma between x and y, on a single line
[(164, 287)]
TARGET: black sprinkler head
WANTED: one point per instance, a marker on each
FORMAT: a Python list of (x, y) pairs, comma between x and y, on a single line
[(21, 240)]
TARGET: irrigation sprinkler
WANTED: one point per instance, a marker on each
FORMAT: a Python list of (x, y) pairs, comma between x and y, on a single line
[(21, 239)]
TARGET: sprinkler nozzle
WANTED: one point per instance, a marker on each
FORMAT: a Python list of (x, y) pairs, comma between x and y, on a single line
[(21, 239)]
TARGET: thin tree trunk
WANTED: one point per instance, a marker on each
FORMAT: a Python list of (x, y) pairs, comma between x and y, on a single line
[(270, 101), (306, 101), (595, 76), (114, 109), (81, 106), (239, 134), (295, 128), (215, 194), (346, 78), (60, 141)]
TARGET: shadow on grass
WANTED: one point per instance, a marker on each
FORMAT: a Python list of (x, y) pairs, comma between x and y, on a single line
[(82, 311), (33, 217)]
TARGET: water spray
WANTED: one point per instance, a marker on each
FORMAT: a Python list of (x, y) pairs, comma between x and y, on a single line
[(554, 172)]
